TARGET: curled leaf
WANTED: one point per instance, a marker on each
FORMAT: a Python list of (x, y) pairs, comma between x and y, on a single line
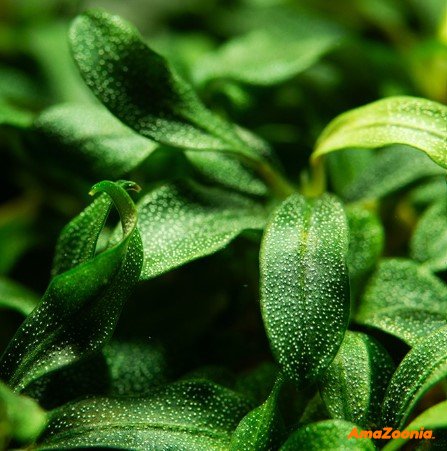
[(81, 306), (415, 122), (421, 369), (16, 297)]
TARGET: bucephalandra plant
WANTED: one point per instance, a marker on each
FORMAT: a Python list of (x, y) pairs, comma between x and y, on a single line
[(317, 320)]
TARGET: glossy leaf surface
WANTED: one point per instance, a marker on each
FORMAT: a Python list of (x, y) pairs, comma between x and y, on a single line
[(412, 121), (193, 415), (354, 384), (183, 222), (421, 369), (305, 284), (79, 310), (405, 300)]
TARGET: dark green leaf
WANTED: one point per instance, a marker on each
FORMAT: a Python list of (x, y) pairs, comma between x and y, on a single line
[(262, 428), (354, 384), (421, 369), (392, 169), (90, 141), (226, 171), (189, 415), (366, 240), (142, 90), (412, 121), (429, 242), (20, 417), (329, 435), (183, 222), (433, 190), (81, 306), (288, 44), (16, 297), (258, 383), (305, 284), (405, 300)]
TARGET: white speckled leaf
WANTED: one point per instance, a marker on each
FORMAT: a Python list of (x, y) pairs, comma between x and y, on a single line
[(21, 418), (433, 418), (81, 306), (366, 240), (391, 169), (354, 384), (421, 369), (226, 171), (412, 121), (261, 429), (289, 44), (429, 241), (183, 222), (16, 297), (305, 284), (404, 299), (90, 141), (142, 90), (329, 435), (187, 415)]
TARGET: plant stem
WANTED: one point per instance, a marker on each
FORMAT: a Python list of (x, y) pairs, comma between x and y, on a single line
[(279, 185)]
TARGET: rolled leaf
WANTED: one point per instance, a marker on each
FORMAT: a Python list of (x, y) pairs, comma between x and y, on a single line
[(139, 87), (192, 415), (90, 141), (305, 284), (429, 242), (329, 435), (262, 428), (16, 297), (183, 222), (421, 369), (21, 418), (354, 384), (81, 306), (412, 121), (404, 299)]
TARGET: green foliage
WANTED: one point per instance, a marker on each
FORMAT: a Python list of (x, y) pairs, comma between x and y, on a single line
[(279, 283), (305, 284)]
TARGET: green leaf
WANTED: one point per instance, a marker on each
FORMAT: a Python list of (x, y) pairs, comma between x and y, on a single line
[(392, 169), (81, 306), (345, 166), (366, 241), (262, 428), (429, 241), (14, 117), (412, 121), (192, 415), (354, 384), (405, 300), (421, 369), (432, 190), (433, 418), (226, 171), (305, 284), (87, 139), (258, 383), (16, 297), (288, 44), (183, 222), (142, 90), (20, 417), (329, 435)]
